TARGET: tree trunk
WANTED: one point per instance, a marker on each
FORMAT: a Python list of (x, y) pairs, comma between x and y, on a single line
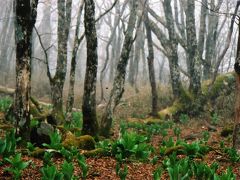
[(236, 131), (192, 51), (26, 12), (119, 79), (151, 69), (57, 83), (77, 42), (90, 124)]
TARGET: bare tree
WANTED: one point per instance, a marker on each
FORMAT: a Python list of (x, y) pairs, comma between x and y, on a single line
[(90, 123), (151, 67), (119, 79)]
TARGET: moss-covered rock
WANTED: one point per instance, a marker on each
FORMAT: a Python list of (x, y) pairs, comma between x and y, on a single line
[(85, 142)]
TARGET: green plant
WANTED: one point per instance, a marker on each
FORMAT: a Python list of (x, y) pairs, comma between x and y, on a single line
[(157, 173), (215, 119), (5, 104), (67, 170), (121, 172), (154, 160), (55, 141), (82, 163), (183, 118), (51, 173), (47, 158), (105, 145), (232, 154), (131, 144), (206, 136), (228, 175), (17, 165), (178, 168), (8, 144), (195, 149), (30, 147), (177, 132), (68, 155)]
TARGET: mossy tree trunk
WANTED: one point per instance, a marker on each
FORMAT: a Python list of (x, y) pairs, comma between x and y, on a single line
[(119, 79), (90, 124), (26, 13)]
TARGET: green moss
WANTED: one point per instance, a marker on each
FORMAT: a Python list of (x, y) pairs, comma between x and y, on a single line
[(94, 153), (85, 142), (38, 152), (169, 112)]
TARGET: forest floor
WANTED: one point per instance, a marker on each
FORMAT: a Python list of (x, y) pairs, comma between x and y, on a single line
[(105, 167)]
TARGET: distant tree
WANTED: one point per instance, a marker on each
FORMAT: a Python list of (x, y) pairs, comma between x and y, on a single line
[(26, 13), (119, 78), (90, 123)]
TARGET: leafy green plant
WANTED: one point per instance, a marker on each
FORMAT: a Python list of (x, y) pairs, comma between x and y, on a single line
[(47, 158), (30, 147), (228, 175), (215, 119), (55, 141), (82, 163), (121, 172), (177, 132), (206, 136), (154, 160), (8, 144), (67, 170), (232, 154), (105, 145), (5, 103), (17, 165), (51, 173), (68, 155), (195, 149), (157, 173), (183, 118), (131, 144), (177, 168)]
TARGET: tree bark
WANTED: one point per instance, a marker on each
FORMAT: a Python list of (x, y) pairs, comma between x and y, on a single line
[(90, 124), (57, 82), (236, 131), (26, 12), (192, 50), (119, 79), (76, 43), (151, 69)]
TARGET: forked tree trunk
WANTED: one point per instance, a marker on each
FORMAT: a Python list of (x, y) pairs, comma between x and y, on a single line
[(119, 79), (26, 12), (90, 124), (57, 82)]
